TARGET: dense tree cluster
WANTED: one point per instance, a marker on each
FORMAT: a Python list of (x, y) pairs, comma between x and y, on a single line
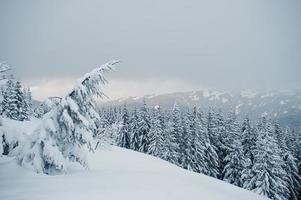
[(16, 101), (260, 156)]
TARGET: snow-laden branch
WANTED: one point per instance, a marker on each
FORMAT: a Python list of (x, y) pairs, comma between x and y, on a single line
[(93, 81)]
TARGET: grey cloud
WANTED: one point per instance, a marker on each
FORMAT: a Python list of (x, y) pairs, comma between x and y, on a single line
[(231, 44)]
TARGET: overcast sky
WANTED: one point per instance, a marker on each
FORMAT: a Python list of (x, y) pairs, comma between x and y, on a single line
[(164, 45)]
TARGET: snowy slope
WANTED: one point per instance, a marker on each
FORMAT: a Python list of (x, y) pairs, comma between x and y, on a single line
[(113, 175)]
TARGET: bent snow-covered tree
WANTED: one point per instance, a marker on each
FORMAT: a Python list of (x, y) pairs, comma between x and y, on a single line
[(67, 132)]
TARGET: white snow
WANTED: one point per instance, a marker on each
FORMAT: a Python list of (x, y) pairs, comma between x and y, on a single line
[(136, 98), (271, 94), (194, 97), (215, 95), (122, 99), (248, 94), (13, 128), (264, 114), (237, 110), (151, 96), (206, 93), (224, 100), (113, 175)]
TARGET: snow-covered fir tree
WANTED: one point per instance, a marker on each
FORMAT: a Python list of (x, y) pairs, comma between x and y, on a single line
[(174, 132), (197, 143), (67, 132), (290, 163), (222, 140), (234, 160), (157, 135), (134, 127), (143, 128), (124, 133), (212, 159), (268, 176), (184, 141), (29, 102), (293, 177), (248, 139), (14, 104)]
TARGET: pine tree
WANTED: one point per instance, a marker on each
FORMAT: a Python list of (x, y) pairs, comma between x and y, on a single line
[(268, 175), (212, 158), (249, 145), (66, 132), (249, 139), (212, 164), (196, 140), (134, 127), (143, 128), (290, 163), (14, 104), (293, 178), (234, 161), (174, 132), (222, 140), (28, 100), (157, 136), (184, 141), (124, 134)]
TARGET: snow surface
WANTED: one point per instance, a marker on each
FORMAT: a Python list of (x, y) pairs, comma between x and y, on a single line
[(248, 94), (116, 174), (14, 128)]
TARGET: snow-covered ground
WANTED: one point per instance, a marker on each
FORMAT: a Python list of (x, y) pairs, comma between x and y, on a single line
[(116, 174)]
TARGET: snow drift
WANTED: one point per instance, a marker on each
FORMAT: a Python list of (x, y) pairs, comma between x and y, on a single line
[(116, 174)]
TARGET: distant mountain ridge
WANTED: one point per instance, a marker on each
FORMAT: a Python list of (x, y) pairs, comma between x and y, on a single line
[(285, 106)]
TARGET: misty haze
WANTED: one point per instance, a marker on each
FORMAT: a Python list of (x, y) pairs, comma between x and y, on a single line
[(150, 99)]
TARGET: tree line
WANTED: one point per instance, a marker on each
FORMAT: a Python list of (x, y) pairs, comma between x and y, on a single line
[(263, 156)]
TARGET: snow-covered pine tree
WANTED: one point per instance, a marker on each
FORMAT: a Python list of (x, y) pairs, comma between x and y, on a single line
[(134, 127), (293, 142), (196, 143), (14, 104), (293, 177), (143, 128), (222, 140), (157, 136), (212, 159), (212, 162), (234, 160), (28, 99), (8, 105), (249, 139), (174, 132), (212, 127), (268, 176), (66, 132), (4, 68), (290, 163), (184, 140), (124, 133), (102, 127), (192, 163), (249, 145)]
